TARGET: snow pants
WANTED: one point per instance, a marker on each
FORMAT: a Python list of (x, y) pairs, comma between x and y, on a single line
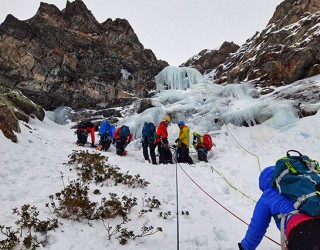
[(152, 147), (105, 142), (120, 147), (82, 136), (165, 155), (202, 154), (183, 154)]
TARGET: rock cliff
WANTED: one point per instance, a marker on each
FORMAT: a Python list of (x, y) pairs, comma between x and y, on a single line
[(287, 50), (67, 58)]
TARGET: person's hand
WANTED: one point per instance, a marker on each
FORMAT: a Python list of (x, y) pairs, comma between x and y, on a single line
[(240, 246), (92, 145)]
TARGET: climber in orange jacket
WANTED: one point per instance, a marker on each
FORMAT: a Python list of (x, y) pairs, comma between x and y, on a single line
[(165, 155)]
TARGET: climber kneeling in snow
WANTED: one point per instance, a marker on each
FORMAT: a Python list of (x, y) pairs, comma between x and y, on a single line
[(200, 147), (106, 131), (85, 128), (122, 138)]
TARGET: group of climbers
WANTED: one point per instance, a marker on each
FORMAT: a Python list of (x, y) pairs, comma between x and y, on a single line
[(119, 137), (152, 138), (300, 229)]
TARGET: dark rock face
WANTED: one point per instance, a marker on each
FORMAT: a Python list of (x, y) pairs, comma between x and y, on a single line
[(66, 58), (144, 105), (208, 60), (8, 123), (287, 50)]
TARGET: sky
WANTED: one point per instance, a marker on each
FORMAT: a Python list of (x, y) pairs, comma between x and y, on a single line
[(175, 30), (219, 196)]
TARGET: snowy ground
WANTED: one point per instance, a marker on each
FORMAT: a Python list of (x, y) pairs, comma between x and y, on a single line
[(31, 170)]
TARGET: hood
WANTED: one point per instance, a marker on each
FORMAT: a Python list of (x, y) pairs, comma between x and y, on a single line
[(104, 124), (265, 178)]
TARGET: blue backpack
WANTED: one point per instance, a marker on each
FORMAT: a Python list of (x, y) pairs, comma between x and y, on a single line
[(104, 128), (124, 131), (111, 130), (298, 177), (148, 130)]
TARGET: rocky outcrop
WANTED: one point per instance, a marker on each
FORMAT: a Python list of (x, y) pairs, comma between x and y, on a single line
[(13, 107), (287, 50), (8, 123), (207, 60), (66, 58)]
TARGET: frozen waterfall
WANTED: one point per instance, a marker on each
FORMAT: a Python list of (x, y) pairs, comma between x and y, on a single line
[(181, 78)]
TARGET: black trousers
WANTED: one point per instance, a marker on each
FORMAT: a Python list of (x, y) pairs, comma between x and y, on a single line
[(120, 146), (202, 154), (82, 135), (165, 155), (105, 141), (183, 154), (152, 147), (305, 236)]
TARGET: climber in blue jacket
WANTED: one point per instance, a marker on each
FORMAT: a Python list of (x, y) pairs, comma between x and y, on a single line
[(299, 227)]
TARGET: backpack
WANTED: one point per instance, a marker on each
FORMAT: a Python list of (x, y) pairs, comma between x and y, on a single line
[(85, 124), (104, 128), (124, 131), (207, 141), (111, 130), (298, 177), (148, 130)]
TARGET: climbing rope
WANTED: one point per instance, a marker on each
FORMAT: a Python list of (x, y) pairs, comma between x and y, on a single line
[(229, 211), (239, 142), (243, 147), (177, 198), (177, 192), (245, 195)]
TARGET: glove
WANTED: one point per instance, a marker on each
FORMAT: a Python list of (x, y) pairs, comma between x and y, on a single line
[(176, 141), (240, 247), (92, 145)]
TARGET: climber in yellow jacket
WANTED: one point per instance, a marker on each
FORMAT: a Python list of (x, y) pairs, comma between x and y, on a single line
[(183, 144)]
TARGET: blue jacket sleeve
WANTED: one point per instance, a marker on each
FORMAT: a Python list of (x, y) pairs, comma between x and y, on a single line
[(258, 226)]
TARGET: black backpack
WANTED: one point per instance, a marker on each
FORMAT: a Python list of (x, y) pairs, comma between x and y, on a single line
[(85, 124)]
